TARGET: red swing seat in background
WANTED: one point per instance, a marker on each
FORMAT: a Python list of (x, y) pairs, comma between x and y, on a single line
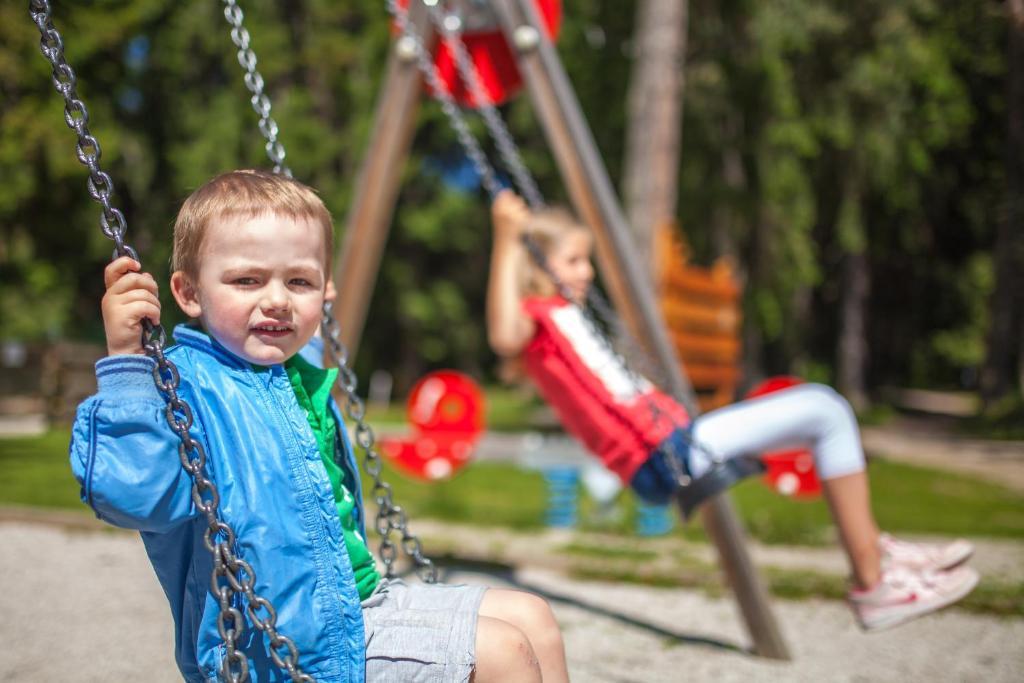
[(492, 56)]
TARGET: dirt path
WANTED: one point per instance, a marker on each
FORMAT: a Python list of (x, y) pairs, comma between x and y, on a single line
[(83, 605), (930, 442)]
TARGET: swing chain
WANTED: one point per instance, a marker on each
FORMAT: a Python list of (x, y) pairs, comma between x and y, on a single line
[(451, 110), (450, 28), (254, 82), (390, 516), (231, 574), (76, 116)]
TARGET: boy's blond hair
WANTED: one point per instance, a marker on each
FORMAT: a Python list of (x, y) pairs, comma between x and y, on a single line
[(546, 228), (244, 194)]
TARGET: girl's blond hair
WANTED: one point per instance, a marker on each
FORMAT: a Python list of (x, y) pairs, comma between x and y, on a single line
[(240, 195), (546, 228)]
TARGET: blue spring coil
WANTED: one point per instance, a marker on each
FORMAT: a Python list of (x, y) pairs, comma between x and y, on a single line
[(654, 520), (563, 496)]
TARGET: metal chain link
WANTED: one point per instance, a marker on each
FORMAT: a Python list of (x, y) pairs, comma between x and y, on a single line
[(231, 575), (76, 116), (390, 516), (456, 120), (449, 26), (254, 82)]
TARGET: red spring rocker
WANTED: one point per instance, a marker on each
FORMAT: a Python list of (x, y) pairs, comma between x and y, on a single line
[(446, 415)]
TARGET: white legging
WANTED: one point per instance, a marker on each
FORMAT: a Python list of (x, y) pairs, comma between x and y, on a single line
[(805, 416)]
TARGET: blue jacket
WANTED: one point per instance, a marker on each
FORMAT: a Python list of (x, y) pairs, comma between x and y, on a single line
[(274, 492)]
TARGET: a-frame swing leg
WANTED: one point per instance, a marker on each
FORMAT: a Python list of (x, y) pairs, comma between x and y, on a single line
[(630, 288), (373, 205)]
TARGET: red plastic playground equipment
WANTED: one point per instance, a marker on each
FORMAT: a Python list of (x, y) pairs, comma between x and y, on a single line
[(446, 413), (790, 472), (492, 56)]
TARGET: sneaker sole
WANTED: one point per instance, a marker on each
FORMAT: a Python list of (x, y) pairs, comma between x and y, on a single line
[(919, 610), (960, 559)]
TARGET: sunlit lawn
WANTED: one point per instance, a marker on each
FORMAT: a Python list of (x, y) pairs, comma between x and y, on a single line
[(34, 471)]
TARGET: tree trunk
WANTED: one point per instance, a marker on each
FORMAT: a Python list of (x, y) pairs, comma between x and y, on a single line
[(1007, 306), (655, 106), (727, 220), (853, 347)]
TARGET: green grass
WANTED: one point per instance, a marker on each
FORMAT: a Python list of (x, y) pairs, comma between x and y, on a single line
[(608, 552), (35, 471), (506, 409), (907, 499), (486, 494)]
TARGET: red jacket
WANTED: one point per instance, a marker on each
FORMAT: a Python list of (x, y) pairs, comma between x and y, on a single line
[(621, 418)]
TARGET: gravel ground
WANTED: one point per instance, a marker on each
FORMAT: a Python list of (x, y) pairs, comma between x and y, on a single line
[(84, 606)]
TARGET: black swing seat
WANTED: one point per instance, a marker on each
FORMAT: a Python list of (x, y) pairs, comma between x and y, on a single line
[(721, 476)]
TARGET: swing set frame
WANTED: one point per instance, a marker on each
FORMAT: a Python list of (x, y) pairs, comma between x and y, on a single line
[(594, 200)]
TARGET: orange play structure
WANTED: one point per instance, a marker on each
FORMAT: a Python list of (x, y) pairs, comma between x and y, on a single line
[(702, 310)]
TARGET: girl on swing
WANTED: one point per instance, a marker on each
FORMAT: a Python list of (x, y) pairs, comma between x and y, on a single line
[(645, 437)]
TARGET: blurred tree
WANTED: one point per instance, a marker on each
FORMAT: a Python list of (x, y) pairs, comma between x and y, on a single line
[(853, 158), (1004, 362), (655, 103), (818, 133)]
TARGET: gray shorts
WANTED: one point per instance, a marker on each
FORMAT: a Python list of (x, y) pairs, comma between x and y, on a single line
[(419, 633)]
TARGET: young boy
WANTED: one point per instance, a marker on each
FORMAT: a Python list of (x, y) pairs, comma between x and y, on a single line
[(251, 265)]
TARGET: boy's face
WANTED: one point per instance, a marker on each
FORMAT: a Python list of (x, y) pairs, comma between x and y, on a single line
[(569, 260), (260, 286)]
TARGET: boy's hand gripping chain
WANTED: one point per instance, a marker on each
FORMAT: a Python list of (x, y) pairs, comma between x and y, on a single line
[(231, 574), (390, 516)]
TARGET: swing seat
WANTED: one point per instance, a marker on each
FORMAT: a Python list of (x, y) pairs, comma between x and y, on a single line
[(719, 478)]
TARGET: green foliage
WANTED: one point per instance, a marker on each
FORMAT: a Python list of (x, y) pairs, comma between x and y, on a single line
[(819, 129), (1004, 419), (813, 129), (964, 345)]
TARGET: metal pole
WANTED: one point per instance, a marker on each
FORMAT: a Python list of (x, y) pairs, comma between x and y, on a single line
[(629, 286), (369, 219)]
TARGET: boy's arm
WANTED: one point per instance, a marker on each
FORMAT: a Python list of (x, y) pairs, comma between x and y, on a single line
[(123, 452), (509, 329)]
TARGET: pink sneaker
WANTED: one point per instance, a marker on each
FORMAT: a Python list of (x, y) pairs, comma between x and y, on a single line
[(923, 557), (902, 595)]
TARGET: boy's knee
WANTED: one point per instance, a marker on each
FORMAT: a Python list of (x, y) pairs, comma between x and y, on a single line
[(533, 614), (540, 624), (504, 653)]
